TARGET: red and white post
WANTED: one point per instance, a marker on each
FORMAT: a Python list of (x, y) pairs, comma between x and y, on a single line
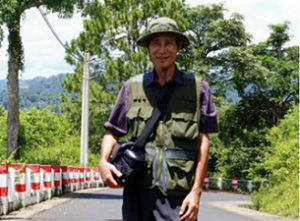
[(81, 177), (206, 181), (234, 182), (57, 180), (76, 178), (20, 182), (4, 188), (71, 178), (65, 179), (35, 181), (88, 177), (47, 185), (95, 177)]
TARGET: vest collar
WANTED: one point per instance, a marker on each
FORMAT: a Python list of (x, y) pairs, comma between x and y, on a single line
[(177, 77)]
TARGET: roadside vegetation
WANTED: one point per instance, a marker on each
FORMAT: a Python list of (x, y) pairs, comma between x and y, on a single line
[(258, 138), (281, 196)]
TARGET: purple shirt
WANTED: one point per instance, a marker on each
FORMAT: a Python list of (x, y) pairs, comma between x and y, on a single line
[(117, 122)]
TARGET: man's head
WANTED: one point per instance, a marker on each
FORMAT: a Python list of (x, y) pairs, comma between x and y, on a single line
[(163, 48), (163, 25), (163, 41)]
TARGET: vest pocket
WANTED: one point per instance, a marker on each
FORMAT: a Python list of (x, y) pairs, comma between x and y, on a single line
[(184, 125), (180, 174), (137, 117)]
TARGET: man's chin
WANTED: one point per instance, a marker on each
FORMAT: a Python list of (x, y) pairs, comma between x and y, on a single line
[(165, 67)]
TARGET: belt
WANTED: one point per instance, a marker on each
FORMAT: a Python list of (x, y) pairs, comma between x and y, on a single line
[(174, 153)]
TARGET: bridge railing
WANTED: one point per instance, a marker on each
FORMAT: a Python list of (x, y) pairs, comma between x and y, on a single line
[(22, 185), (25, 184), (232, 184)]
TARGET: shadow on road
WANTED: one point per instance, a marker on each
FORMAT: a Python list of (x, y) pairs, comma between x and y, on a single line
[(13, 219), (97, 196), (113, 220)]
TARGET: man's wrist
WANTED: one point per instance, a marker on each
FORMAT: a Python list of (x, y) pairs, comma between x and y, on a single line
[(103, 160), (197, 190)]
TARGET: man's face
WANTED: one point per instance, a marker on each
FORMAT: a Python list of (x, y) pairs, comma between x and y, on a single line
[(163, 49)]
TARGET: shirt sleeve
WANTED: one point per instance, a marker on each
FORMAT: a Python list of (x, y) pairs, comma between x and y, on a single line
[(208, 119), (117, 122)]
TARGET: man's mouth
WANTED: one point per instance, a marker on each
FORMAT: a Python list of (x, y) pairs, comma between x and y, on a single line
[(162, 58)]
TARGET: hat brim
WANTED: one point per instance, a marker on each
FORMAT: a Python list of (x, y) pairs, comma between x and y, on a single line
[(144, 40)]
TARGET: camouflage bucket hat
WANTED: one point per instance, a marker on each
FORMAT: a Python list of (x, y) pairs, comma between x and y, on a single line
[(163, 25)]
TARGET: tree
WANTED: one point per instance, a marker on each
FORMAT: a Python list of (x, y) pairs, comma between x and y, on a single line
[(268, 69), (210, 34), (266, 77), (11, 12), (242, 133)]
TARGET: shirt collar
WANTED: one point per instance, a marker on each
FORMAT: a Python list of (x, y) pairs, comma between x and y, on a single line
[(177, 77)]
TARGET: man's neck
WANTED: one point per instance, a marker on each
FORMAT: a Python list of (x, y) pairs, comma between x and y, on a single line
[(164, 75)]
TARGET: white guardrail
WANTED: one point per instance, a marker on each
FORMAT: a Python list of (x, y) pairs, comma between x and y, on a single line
[(22, 185), (229, 184)]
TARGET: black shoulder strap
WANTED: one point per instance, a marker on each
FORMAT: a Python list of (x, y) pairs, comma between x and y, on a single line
[(141, 140)]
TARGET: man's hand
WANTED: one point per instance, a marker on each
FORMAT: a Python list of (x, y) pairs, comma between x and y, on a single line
[(107, 170), (190, 206)]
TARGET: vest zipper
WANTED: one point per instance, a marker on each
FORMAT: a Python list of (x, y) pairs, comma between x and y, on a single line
[(159, 166), (160, 156), (161, 131)]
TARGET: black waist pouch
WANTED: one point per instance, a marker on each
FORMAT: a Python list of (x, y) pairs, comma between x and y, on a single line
[(129, 160)]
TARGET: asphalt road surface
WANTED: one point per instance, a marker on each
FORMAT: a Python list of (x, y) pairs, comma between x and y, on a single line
[(105, 205)]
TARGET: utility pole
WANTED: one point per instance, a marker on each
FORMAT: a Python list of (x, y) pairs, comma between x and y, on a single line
[(84, 158), (85, 112)]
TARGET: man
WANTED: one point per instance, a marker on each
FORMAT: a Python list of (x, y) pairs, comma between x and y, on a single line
[(178, 147)]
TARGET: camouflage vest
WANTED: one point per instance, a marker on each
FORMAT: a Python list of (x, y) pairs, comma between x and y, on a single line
[(172, 147)]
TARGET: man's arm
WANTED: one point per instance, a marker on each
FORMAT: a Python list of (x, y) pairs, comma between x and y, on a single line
[(191, 202), (107, 169)]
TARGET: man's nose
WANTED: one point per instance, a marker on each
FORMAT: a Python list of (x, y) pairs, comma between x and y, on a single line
[(162, 48)]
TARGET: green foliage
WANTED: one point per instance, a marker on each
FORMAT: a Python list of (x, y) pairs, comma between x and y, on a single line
[(64, 153), (282, 161), (267, 68), (98, 114), (3, 134), (41, 128), (45, 138), (268, 86), (279, 36), (210, 33), (241, 140)]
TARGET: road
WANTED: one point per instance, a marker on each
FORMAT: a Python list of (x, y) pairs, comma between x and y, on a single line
[(105, 205)]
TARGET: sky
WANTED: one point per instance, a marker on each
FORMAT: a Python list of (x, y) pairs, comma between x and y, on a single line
[(44, 56)]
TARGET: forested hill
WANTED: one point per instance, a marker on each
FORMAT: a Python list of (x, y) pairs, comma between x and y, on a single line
[(39, 92)]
